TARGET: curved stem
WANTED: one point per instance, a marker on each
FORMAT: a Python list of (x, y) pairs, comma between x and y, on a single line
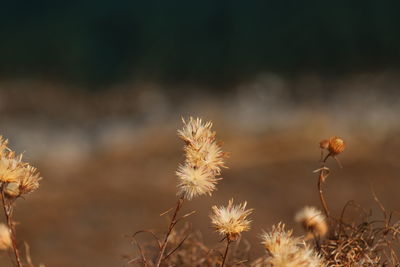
[(226, 251), (170, 227), (7, 207)]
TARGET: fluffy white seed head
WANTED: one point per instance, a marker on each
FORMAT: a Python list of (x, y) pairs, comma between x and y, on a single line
[(195, 182), (288, 251), (16, 176), (195, 131), (231, 220), (204, 159)]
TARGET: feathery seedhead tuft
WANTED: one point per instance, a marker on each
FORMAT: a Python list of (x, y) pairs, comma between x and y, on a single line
[(209, 154), (204, 159), (195, 131), (195, 181), (278, 240), (288, 251), (16, 176), (231, 220), (313, 221)]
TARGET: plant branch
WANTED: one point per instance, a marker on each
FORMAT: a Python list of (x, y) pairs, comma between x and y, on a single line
[(170, 227), (323, 173), (228, 242)]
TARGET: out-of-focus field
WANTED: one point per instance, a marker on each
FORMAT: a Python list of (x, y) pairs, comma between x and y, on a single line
[(108, 159)]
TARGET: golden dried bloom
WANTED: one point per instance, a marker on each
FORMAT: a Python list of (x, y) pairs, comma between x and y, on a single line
[(195, 131), (279, 240), (304, 257), (30, 182), (209, 154), (5, 237), (313, 221), (11, 169), (231, 220), (195, 181), (336, 145), (204, 160), (17, 176), (287, 251)]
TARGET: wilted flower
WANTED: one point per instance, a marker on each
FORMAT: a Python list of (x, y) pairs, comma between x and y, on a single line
[(231, 220), (204, 159), (313, 221), (336, 145), (288, 251), (17, 177)]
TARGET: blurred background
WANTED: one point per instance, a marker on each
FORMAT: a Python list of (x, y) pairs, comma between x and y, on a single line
[(92, 92)]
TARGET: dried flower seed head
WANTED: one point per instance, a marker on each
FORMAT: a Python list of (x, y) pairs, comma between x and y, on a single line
[(5, 237), (306, 257), (279, 240), (204, 160), (287, 251), (17, 177), (209, 155), (336, 145), (11, 170), (30, 181), (214, 158), (231, 220), (195, 131), (195, 181), (313, 221)]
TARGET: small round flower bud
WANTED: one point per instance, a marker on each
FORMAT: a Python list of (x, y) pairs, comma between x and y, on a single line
[(336, 145)]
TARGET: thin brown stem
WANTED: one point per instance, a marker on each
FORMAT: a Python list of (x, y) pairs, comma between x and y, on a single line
[(7, 207), (321, 178), (228, 242), (321, 194), (170, 227)]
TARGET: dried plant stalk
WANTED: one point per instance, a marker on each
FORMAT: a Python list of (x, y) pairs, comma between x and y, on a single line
[(7, 207), (170, 228), (17, 178), (228, 242)]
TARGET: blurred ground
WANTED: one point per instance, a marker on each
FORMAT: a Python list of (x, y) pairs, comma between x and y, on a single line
[(108, 159)]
